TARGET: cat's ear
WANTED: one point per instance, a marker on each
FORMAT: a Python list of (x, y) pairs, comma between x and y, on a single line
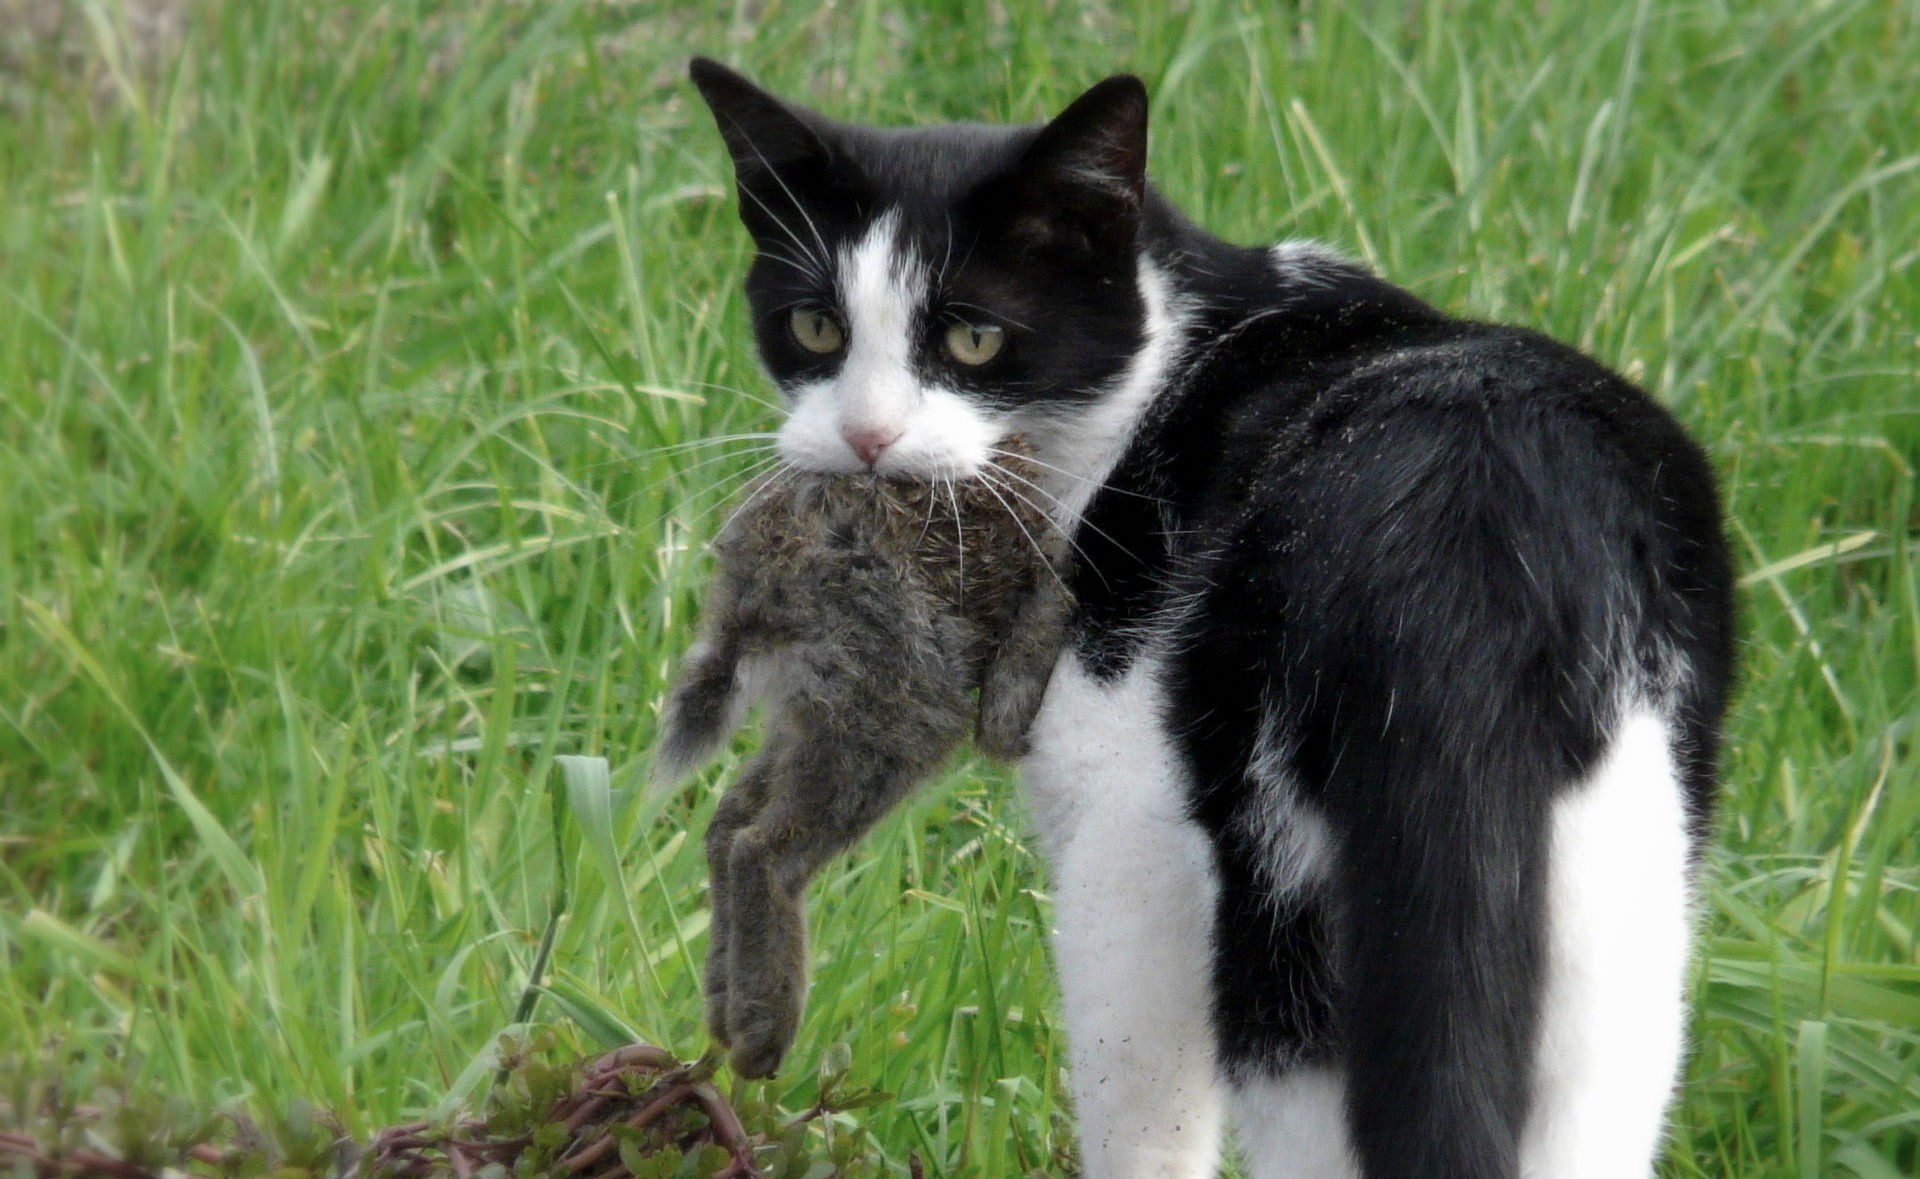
[(780, 150), (762, 132), (1083, 180)]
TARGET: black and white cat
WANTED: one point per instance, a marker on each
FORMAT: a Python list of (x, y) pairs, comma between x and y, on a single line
[(1374, 778)]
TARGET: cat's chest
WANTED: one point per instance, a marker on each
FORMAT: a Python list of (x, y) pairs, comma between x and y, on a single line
[(1100, 748)]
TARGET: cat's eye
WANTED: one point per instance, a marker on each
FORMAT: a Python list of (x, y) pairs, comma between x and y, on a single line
[(973, 343), (816, 330)]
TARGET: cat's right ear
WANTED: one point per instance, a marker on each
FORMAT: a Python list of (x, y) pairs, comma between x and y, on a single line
[(777, 147), (1080, 185)]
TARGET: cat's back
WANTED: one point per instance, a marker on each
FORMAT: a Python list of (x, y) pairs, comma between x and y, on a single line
[(1350, 480), (1347, 396)]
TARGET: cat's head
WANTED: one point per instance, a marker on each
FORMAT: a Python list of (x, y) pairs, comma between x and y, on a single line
[(921, 294)]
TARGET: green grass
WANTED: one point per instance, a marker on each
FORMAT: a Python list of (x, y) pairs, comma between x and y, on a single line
[(342, 365)]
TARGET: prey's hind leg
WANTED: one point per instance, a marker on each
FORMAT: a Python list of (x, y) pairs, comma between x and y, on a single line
[(1617, 932), (825, 798), (737, 809)]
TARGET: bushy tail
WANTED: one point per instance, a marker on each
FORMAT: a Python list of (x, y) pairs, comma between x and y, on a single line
[(705, 705)]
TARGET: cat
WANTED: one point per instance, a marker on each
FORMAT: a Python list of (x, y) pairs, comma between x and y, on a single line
[(1375, 772), (864, 612)]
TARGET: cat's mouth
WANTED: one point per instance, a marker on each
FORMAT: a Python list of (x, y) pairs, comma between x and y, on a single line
[(939, 437)]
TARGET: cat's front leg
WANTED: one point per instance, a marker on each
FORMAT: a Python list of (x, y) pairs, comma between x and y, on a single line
[(1134, 897)]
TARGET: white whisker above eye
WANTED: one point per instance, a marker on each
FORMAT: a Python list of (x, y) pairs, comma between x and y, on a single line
[(1003, 317)]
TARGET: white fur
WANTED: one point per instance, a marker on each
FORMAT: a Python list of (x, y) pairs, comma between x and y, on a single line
[(1304, 261), (1294, 1127), (1297, 841), (937, 433), (1133, 877), (1618, 925), (1134, 892), (1081, 448)]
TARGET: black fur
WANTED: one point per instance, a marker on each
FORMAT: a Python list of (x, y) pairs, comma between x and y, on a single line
[(1412, 563), (1440, 552)]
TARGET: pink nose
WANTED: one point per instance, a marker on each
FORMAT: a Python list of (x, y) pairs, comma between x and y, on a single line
[(869, 441)]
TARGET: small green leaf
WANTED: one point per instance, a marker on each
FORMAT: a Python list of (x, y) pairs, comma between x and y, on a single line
[(860, 1099), (601, 1023), (835, 1063)]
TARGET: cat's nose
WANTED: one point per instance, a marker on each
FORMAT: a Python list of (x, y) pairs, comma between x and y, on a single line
[(869, 441)]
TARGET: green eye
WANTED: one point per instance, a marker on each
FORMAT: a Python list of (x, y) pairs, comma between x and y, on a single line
[(816, 330), (971, 343)]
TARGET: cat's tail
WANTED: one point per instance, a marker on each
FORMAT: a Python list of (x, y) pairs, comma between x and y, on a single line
[(706, 704)]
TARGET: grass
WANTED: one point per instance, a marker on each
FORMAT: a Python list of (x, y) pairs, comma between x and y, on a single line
[(350, 359)]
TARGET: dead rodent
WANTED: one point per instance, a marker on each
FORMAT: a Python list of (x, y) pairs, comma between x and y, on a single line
[(863, 614)]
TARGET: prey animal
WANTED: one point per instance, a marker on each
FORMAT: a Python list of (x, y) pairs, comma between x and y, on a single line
[(864, 613)]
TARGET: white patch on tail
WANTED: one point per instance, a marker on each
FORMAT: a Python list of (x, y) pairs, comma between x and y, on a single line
[(1618, 916), (1296, 844)]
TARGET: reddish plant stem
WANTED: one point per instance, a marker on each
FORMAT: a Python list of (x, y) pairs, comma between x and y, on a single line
[(726, 1123), (586, 1111), (643, 1055), (583, 1159)]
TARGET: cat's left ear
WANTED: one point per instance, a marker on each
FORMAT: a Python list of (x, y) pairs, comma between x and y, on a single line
[(1083, 180), (783, 153), (763, 134)]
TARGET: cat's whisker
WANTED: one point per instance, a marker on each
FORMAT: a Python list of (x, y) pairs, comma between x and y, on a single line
[(990, 313), (703, 489), (940, 277), (927, 525), (742, 479), (761, 456), (762, 485), (742, 394), (1066, 536), (819, 271), (805, 216), (1083, 522), (1042, 488), (806, 268), (678, 448), (812, 268), (968, 256), (1099, 485), (1038, 550), (676, 470), (960, 532), (998, 476)]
